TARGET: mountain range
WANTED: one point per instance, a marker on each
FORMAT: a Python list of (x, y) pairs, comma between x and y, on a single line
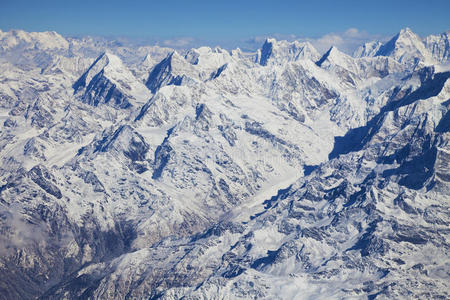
[(133, 172)]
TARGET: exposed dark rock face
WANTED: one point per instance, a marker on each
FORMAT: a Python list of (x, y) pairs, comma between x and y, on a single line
[(161, 74), (42, 177)]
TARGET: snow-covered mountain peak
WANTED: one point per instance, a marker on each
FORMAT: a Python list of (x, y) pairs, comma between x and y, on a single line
[(147, 61), (197, 65), (106, 62), (266, 51), (332, 51), (279, 52), (439, 46), (111, 62), (192, 56), (171, 70), (270, 41), (174, 55), (334, 56), (406, 47), (236, 52), (406, 32), (48, 40), (406, 38), (351, 70), (174, 59), (208, 59), (369, 49), (109, 78), (205, 50)]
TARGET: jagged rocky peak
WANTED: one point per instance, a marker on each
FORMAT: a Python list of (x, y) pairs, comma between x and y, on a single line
[(237, 53), (439, 46), (123, 143), (162, 73), (343, 65), (192, 56), (170, 71), (332, 56), (147, 61), (368, 49), (95, 68), (208, 59), (351, 69), (278, 52), (124, 140), (108, 78), (265, 52), (140, 68), (406, 47), (71, 66)]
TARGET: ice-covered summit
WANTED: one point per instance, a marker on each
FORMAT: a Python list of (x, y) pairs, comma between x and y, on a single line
[(334, 56), (207, 58), (439, 46), (406, 47), (109, 79), (279, 52), (368, 49), (48, 40), (172, 70)]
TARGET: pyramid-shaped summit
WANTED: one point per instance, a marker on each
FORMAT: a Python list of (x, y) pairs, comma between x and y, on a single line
[(170, 71), (109, 81), (406, 47)]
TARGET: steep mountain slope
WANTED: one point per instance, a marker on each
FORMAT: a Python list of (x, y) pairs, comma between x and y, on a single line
[(217, 174), (278, 52), (439, 46), (408, 48), (107, 79)]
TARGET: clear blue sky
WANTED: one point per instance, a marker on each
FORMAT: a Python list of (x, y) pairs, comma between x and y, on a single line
[(213, 20)]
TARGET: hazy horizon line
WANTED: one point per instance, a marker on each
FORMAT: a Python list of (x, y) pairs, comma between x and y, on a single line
[(347, 41)]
